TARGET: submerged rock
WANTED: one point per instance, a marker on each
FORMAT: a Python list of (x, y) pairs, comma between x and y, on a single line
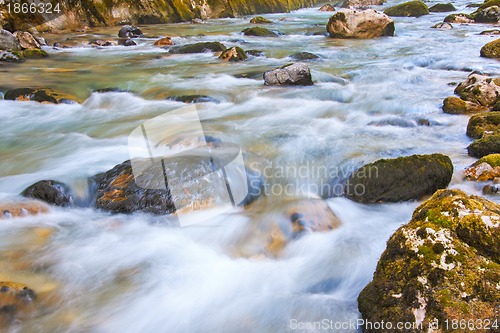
[(455, 105), (38, 95), (408, 9), (351, 23), (442, 7), (259, 32), (8, 41), (21, 208), (194, 99), (233, 54), (480, 89), (486, 123), (327, 8), (297, 74), (304, 56), (255, 53), (260, 20), (399, 179), (102, 43), (443, 265), (198, 48), (491, 50), (459, 18), (486, 168), (128, 31), (166, 41), (51, 192), (489, 144), (17, 302)]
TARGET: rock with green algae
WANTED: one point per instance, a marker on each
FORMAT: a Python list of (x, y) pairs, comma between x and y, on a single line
[(233, 54), (488, 144), (442, 7), (31, 54), (455, 105), (198, 48), (400, 179), (259, 32), (480, 89), (486, 123), (487, 15), (408, 9), (486, 168), (443, 265), (260, 20), (491, 50)]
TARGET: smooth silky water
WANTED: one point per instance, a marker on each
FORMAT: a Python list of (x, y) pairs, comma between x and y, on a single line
[(115, 273)]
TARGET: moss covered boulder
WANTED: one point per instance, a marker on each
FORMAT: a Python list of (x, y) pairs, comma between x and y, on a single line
[(487, 15), (259, 32), (361, 24), (443, 265), (17, 302), (455, 105), (408, 9), (480, 89), (399, 179), (260, 20), (486, 123), (491, 50), (486, 168), (442, 7), (38, 95), (198, 48), (233, 54), (488, 144), (459, 18)]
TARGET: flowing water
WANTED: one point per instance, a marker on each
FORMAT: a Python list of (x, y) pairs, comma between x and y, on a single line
[(116, 273)]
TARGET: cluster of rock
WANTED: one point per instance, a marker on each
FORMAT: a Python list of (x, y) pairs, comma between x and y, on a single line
[(20, 45)]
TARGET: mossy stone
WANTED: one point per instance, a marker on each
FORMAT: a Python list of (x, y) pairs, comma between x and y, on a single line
[(259, 32), (233, 54), (486, 122), (491, 50), (408, 9), (442, 7), (198, 48), (454, 105), (489, 144)]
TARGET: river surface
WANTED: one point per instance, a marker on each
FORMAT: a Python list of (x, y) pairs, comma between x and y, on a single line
[(116, 273)]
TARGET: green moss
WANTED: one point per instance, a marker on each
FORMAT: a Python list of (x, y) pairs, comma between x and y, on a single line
[(233, 54), (493, 160), (454, 105), (485, 122), (34, 53), (442, 7), (259, 32), (491, 50), (490, 3), (408, 9)]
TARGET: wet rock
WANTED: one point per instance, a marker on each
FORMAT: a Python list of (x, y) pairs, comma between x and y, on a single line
[(38, 95), (480, 89), (286, 220), (491, 50), (442, 25), (442, 265), (126, 42), (167, 41), (260, 20), (20, 208), (455, 105), (51, 192), (400, 179), (102, 43), (10, 57), (490, 189), (8, 41), (17, 302), (486, 168), (489, 144), (129, 31), (459, 18), (351, 23), (442, 7), (256, 53), (487, 15), (304, 56), (194, 99), (259, 32), (408, 9), (486, 123), (297, 74), (198, 48), (31, 54), (41, 40), (327, 8), (197, 21), (490, 32), (26, 40), (361, 3), (233, 54)]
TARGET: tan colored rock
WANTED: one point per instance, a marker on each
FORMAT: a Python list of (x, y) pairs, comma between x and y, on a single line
[(26, 40), (479, 89), (361, 3), (22, 208), (455, 105), (167, 41), (362, 24), (487, 168)]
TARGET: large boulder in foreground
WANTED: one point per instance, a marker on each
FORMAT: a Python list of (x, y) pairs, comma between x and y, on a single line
[(8, 41), (408, 9), (51, 192), (399, 179), (297, 74), (362, 24), (491, 50), (488, 144), (443, 265)]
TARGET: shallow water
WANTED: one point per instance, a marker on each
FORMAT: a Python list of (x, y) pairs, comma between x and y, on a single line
[(118, 273)]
